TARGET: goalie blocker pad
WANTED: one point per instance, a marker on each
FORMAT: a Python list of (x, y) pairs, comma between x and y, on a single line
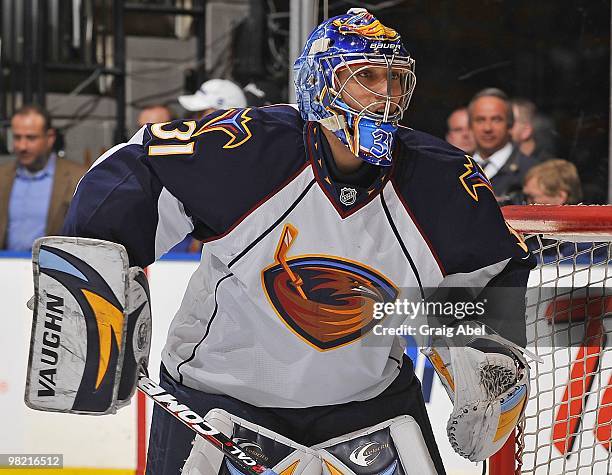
[(91, 329)]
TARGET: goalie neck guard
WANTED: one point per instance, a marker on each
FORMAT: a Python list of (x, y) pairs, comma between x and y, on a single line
[(366, 54)]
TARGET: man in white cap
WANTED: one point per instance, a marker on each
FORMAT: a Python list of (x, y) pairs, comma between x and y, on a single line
[(214, 94)]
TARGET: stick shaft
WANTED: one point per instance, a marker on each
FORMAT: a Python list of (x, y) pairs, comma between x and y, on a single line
[(199, 425)]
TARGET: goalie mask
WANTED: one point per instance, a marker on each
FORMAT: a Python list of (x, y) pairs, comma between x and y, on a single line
[(355, 77)]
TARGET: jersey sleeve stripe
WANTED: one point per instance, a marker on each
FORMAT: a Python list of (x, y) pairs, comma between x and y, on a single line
[(173, 223)]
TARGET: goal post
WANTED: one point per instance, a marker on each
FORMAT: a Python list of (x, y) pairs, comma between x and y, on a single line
[(567, 427)]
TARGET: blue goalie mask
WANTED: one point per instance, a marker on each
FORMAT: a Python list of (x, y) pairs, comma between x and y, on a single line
[(355, 77)]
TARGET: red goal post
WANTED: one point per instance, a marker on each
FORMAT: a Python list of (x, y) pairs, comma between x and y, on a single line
[(576, 220), (567, 427)]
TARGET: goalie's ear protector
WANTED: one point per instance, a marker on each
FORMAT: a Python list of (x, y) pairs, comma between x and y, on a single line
[(489, 392)]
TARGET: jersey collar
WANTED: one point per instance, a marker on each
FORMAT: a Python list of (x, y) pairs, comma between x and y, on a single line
[(346, 195)]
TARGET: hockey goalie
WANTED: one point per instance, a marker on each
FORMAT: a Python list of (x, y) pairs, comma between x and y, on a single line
[(310, 217)]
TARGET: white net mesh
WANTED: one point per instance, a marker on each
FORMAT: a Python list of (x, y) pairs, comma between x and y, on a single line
[(567, 425)]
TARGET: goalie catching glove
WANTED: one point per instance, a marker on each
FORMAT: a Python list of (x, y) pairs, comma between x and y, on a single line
[(91, 330), (489, 390)]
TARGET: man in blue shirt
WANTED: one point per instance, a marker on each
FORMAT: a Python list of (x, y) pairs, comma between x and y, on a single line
[(36, 188)]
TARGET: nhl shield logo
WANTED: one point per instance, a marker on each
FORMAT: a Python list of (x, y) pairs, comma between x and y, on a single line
[(348, 196)]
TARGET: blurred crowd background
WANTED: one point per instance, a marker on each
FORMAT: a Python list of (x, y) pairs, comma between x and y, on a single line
[(79, 76)]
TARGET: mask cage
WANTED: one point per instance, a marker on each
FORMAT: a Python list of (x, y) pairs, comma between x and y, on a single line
[(388, 107)]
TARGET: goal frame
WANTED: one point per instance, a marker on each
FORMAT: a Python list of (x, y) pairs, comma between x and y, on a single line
[(574, 223)]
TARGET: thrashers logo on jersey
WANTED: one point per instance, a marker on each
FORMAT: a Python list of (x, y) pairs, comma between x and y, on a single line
[(327, 301), (474, 178)]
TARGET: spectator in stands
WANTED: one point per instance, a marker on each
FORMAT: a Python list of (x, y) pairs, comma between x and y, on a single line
[(531, 131), (491, 119), (458, 132), (153, 114), (214, 94), (554, 182), (35, 188)]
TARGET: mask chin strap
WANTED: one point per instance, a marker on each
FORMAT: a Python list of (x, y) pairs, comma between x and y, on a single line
[(338, 125), (334, 123)]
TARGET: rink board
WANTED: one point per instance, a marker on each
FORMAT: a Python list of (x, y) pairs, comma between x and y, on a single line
[(110, 444)]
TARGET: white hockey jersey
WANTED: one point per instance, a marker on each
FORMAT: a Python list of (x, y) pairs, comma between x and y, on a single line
[(296, 255)]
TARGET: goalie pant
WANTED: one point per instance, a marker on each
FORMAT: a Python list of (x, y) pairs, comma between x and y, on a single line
[(170, 441)]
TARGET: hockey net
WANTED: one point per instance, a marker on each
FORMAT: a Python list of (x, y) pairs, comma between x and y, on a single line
[(567, 423)]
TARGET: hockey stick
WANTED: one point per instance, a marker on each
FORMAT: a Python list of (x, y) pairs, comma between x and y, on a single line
[(197, 424)]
